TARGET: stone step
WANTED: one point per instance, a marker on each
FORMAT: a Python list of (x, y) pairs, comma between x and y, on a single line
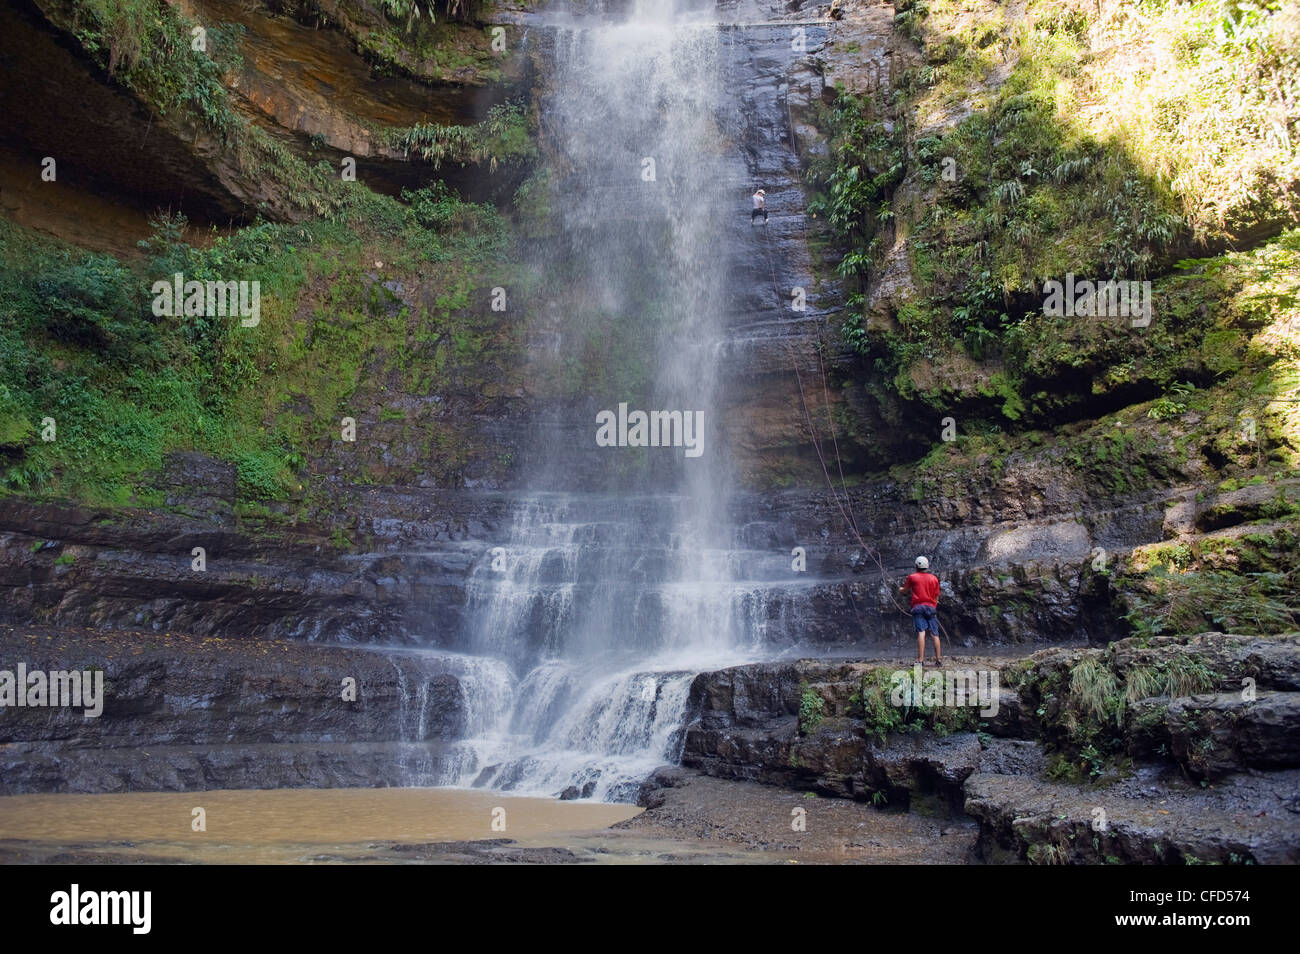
[(1145, 820), (32, 768)]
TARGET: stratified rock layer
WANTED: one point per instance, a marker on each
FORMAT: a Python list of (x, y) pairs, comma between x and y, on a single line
[(746, 725), (186, 713)]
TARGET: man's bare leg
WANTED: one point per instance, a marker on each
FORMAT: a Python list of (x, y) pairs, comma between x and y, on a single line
[(920, 647), (938, 653)]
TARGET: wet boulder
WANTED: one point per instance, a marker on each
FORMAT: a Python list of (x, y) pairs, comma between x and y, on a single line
[(1219, 733)]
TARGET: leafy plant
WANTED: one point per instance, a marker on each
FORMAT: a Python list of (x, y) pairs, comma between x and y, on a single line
[(501, 137), (1173, 403), (812, 709), (1251, 603)]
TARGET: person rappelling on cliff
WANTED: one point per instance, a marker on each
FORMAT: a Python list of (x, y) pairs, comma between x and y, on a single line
[(760, 207), (924, 587)]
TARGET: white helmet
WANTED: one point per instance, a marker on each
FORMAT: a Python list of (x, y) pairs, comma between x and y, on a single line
[(922, 563)]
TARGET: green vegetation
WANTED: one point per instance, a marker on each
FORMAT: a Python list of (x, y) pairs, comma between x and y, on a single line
[(504, 136), (812, 709), (1205, 122), (410, 10), (1171, 405), (148, 46), (880, 716), (1082, 710), (1026, 147), (1043, 853), (863, 165), (1253, 603), (79, 344), (1245, 581), (430, 40)]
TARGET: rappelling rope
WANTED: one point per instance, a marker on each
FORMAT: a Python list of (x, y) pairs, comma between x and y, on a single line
[(846, 507)]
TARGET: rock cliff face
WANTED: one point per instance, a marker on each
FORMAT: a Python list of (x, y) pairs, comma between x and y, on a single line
[(94, 130), (393, 564), (315, 93), (1024, 543), (325, 84), (77, 566), (405, 579), (183, 713)]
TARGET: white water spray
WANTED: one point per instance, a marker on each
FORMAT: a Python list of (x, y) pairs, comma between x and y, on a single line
[(606, 602)]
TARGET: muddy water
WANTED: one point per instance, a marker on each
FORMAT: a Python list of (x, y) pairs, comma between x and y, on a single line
[(700, 821), (287, 825)]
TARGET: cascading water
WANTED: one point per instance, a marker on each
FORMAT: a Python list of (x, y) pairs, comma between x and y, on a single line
[(617, 582)]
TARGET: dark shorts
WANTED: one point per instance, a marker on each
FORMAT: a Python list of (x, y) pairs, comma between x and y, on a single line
[(926, 617)]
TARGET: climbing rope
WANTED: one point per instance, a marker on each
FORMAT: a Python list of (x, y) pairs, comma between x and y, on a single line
[(846, 507)]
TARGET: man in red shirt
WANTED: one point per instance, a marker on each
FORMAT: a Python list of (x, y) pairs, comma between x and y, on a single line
[(924, 587)]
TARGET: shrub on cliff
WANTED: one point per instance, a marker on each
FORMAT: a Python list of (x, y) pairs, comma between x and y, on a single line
[(1025, 146)]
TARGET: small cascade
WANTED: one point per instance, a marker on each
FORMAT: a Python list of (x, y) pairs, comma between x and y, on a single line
[(579, 736), (485, 690)]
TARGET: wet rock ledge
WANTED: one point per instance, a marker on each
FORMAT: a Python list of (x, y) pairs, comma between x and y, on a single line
[(187, 713), (1078, 765)]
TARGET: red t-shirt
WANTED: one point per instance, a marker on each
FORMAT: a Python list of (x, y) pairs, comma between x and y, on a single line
[(925, 589)]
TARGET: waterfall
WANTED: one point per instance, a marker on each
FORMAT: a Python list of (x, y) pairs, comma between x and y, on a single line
[(617, 581)]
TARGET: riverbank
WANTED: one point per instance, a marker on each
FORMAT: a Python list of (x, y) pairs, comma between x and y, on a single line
[(699, 820), (1163, 750)]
